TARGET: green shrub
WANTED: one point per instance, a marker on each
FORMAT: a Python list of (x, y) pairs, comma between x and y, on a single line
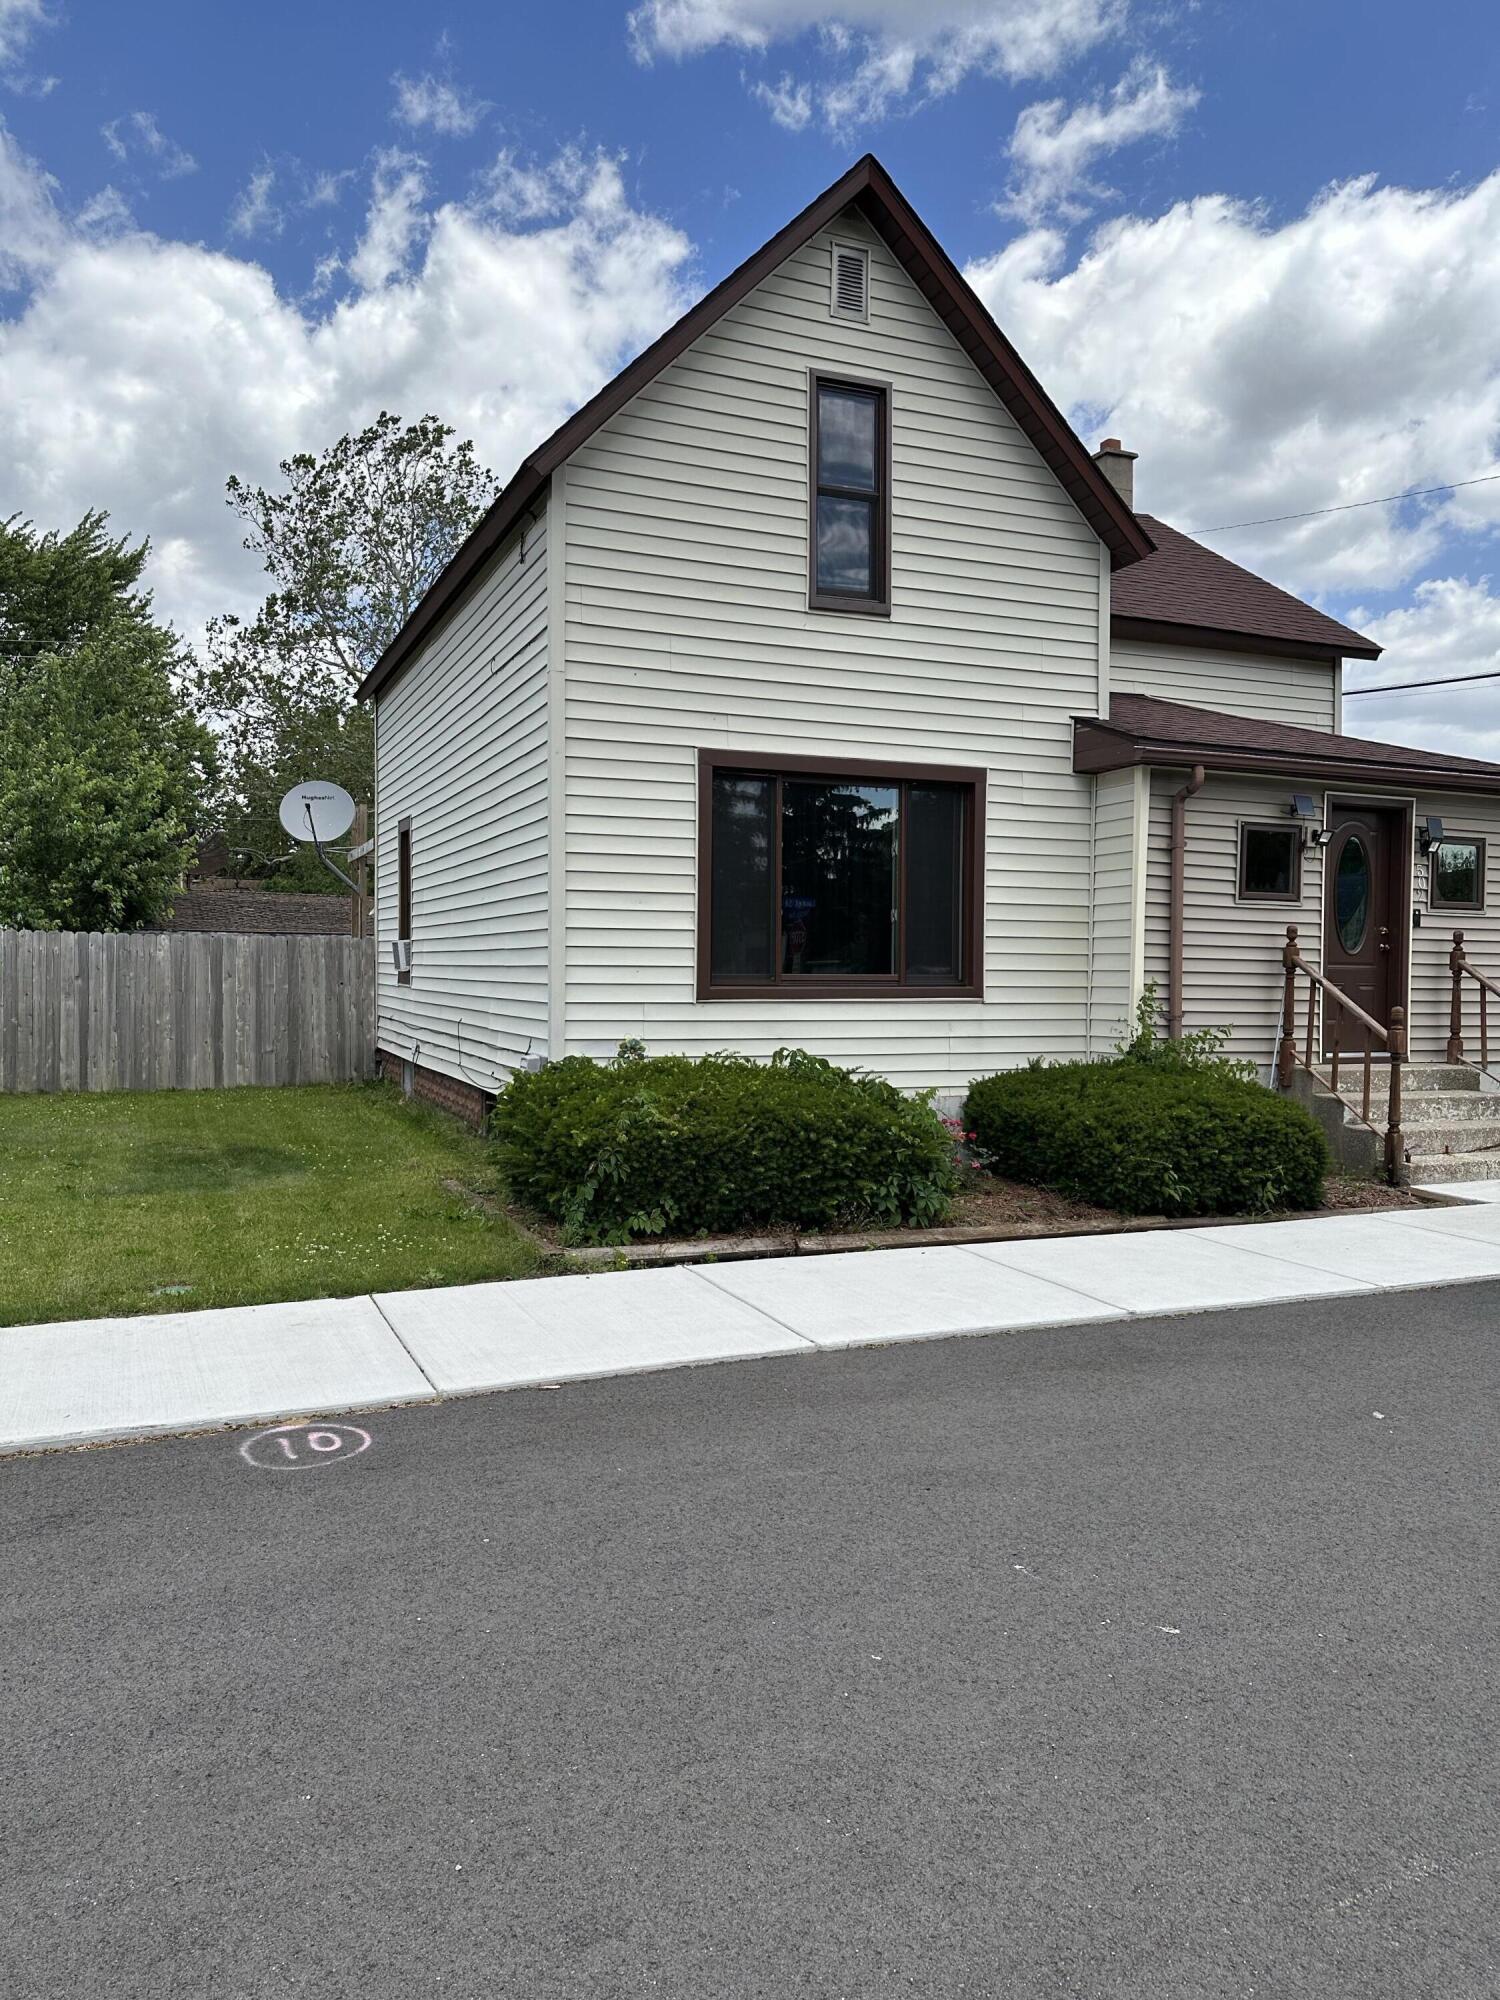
[(1149, 1140), (643, 1147)]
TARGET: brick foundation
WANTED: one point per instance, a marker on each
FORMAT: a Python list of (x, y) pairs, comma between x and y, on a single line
[(449, 1093)]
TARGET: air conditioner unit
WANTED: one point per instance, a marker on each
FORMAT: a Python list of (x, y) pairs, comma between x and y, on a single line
[(401, 953)]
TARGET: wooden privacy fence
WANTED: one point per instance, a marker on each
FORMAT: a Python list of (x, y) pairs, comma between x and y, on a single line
[(183, 1010)]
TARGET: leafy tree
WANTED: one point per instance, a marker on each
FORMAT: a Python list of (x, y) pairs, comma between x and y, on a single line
[(350, 544), (102, 767)]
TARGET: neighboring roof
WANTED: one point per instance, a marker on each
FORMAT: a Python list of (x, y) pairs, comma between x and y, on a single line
[(1139, 729), (1184, 590), (869, 188)]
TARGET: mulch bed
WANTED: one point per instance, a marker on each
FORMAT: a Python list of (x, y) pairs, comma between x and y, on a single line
[(987, 1209)]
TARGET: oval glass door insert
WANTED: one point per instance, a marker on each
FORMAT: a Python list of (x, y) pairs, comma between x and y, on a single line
[(1351, 894)]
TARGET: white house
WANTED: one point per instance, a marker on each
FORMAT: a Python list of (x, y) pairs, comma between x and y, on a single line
[(814, 685)]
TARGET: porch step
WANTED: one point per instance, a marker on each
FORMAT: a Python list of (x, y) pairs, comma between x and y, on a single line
[(1432, 1107), (1440, 1136), (1417, 1079), (1427, 1169)]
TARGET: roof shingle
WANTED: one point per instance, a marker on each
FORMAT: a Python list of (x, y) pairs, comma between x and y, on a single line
[(1184, 583), (1140, 729)]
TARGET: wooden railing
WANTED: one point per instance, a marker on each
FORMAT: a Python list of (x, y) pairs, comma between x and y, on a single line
[(1459, 966), (1339, 1008)]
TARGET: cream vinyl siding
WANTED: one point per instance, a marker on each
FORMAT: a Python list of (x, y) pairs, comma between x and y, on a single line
[(1254, 684), (687, 627), (1120, 829), (462, 749), (1464, 818), (1231, 950)]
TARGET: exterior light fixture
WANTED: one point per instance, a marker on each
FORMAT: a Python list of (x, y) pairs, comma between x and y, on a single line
[(1429, 833)]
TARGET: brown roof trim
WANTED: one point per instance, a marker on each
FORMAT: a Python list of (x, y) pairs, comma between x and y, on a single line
[(1142, 730), (869, 187), (1166, 631)]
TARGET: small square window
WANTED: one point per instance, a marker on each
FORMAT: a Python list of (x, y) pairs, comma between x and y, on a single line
[(1455, 879), (1270, 864)]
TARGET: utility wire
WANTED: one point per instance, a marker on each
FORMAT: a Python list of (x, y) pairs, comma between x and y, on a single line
[(1407, 687), (1414, 493)]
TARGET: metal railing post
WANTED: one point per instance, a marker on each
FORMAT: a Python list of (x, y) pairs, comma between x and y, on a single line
[(1395, 1139), (1456, 963), (1286, 1055)]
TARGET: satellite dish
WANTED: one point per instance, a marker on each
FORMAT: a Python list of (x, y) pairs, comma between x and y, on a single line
[(316, 811)]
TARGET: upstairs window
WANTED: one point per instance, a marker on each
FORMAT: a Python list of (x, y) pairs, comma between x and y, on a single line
[(856, 878), (850, 554)]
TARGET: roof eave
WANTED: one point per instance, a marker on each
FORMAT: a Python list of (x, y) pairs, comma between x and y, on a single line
[(1225, 640), (1099, 747)]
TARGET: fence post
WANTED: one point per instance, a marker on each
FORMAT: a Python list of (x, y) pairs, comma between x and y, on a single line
[(1286, 1059), (1456, 963)]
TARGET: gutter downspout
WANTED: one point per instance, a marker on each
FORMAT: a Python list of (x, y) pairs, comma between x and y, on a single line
[(1178, 896)]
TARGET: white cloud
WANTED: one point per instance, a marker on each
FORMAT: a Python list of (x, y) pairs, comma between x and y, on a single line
[(789, 102), (19, 20), (138, 136), (140, 372), (256, 212), (1264, 367), (430, 101), (881, 53), (1054, 148), (31, 230), (1452, 626), (395, 221)]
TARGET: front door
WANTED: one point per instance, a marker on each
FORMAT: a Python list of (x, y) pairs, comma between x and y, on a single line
[(1364, 914)]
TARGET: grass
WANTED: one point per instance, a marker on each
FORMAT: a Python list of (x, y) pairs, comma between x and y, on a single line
[(157, 1201)]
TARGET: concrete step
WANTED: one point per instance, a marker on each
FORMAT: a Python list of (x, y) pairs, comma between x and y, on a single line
[(1417, 1079), (1447, 1135), (1430, 1169), (1433, 1107)]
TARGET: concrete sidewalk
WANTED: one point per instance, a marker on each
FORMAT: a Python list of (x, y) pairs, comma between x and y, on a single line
[(86, 1380)]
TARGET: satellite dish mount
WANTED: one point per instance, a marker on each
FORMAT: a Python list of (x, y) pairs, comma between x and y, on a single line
[(317, 812)]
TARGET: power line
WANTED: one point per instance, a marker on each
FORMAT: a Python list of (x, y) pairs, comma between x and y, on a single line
[(1407, 687), (1414, 493)]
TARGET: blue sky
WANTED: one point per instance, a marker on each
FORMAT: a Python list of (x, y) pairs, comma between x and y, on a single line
[(1263, 243)]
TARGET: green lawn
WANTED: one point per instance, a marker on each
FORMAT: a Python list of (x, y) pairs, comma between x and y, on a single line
[(156, 1201)]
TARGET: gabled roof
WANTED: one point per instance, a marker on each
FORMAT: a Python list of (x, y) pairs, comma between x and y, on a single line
[(1139, 729), (1185, 591), (868, 188)]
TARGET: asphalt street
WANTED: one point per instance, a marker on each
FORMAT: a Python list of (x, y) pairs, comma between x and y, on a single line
[(1154, 1659)]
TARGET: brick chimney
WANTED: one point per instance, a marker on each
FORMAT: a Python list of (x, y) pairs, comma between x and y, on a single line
[(1118, 467)]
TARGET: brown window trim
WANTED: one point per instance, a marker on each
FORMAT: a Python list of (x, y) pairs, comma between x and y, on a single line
[(403, 891), (1434, 900), (872, 986), (1292, 895), (878, 605)]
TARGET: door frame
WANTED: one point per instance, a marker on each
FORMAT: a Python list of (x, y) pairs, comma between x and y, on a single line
[(1403, 875)]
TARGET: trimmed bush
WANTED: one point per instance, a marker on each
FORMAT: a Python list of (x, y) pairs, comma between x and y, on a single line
[(639, 1147), (1149, 1141)]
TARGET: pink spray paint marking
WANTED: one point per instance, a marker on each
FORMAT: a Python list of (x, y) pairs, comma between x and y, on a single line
[(299, 1447)]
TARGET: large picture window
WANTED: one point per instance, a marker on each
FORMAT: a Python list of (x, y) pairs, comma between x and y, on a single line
[(850, 554), (826, 878)]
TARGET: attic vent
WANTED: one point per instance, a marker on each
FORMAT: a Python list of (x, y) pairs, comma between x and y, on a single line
[(851, 282)]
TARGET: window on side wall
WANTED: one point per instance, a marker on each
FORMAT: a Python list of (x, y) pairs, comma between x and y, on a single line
[(820, 879), (1270, 864), (403, 901), (1455, 879), (849, 560)]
